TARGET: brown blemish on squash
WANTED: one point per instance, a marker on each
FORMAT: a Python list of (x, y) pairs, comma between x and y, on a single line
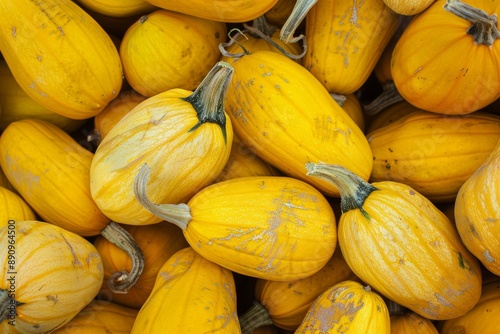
[(14, 32), (143, 19), (75, 258), (487, 256), (53, 299)]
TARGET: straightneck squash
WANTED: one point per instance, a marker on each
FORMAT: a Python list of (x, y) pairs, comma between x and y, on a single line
[(284, 114), (191, 295), (269, 227), (182, 135), (60, 56), (396, 241), (47, 276)]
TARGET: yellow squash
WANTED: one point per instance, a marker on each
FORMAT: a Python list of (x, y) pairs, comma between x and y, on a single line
[(47, 275), (13, 207), (408, 7), (269, 227), (230, 11), (190, 295), (477, 212), (101, 317), (15, 104), (119, 8), (284, 114), (182, 135), (456, 70), (60, 56), (189, 48), (347, 307), (280, 12), (345, 40), (157, 242), (396, 241), (287, 302), (408, 322), (432, 153)]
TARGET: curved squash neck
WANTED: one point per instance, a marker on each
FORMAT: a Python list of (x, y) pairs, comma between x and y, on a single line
[(208, 98), (352, 188), (484, 28)]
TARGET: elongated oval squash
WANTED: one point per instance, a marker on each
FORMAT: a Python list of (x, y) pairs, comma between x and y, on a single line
[(284, 114), (182, 135), (347, 307), (337, 31), (119, 8), (270, 227), (477, 212), (13, 207), (433, 153), (231, 11), (189, 49), (455, 71), (408, 7), (395, 240), (47, 276), (190, 295), (60, 56), (101, 317)]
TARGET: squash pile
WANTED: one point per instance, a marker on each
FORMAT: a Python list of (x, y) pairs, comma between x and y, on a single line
[(249, 166)]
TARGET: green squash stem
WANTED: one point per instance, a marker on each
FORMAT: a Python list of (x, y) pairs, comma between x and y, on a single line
[(178, 214), (484, 28), (352, 188), (121, 281), (208, 98), (256, 316), (299, 12)]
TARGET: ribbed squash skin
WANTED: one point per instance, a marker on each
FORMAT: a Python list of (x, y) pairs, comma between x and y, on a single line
[(231, 11), (157, 132), (12, 206), (477, 212), (284, 114), (409, 251), (411, 323), (183, 59), (101, 317), (448, 72), (191, 295), (336, 31), (57, 274), (15, 104), (119, 8), (60, 56), (270, 227), (347, 307), (408, 7), (51, 171), (483, 318), (157, 242), (432, 153), (288, 302), (390, 114)]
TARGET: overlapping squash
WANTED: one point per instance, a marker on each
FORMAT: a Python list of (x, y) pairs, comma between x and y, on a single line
[(13, 207), (47, 275), (60, 56), (396, 241)]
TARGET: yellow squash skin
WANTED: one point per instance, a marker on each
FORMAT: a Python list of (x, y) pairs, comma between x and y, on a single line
[(60, 56), (284, 114), (15, 104), (396, 241), (477, 212), (56, 274), (347, 307), (231, 11), (483, 318), (411, 323), (337, 31), (13, 207), (288, 302), (51, 171), (446, 72), (101, 317), (432, 153), (158, 242), (119, 8), (191, 295), (408, 7), (183, 59), (161, 132)]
